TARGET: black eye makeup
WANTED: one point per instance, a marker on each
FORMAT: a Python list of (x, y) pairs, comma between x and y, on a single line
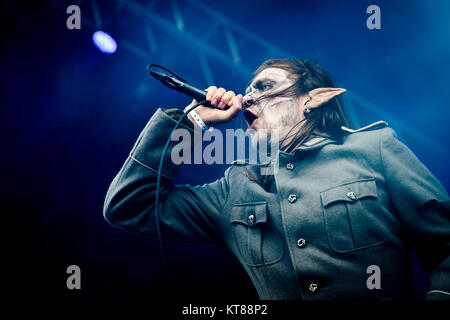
[(264, 85), (261, 85)]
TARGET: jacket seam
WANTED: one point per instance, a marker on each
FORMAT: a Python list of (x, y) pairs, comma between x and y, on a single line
[(149, 168), (227, 180), (383, 169), (381, 162), (113, 185), (396, 213), (217, 220)]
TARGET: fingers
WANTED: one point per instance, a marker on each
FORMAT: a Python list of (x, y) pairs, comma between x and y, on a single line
[(235, 108), (215, 116), (211, 90), (217, 96), (236, 101), (226, 98)]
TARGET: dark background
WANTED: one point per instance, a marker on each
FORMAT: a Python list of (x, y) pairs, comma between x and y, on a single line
[(70, 115)]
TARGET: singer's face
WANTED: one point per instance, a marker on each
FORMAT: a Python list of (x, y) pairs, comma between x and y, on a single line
[(274, 116)]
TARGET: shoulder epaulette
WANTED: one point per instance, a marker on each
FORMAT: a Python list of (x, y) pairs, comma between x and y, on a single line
[(376, 125)]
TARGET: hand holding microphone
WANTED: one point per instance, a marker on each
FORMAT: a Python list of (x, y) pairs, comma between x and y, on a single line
[(222, 106), (225, 106)]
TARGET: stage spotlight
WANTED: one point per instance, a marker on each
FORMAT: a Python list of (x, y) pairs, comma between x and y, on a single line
[(104, 42)]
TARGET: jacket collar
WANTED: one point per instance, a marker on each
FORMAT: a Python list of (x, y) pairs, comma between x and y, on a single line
[(317, 141)]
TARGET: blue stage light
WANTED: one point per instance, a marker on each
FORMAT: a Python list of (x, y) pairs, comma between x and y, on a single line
[(104, 42)]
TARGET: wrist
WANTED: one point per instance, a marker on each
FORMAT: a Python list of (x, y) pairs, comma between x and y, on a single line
[(196, 120), (191, 119)]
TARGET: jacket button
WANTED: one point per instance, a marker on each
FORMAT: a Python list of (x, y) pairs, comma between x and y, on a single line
[(289, 166), (251, 219), (351, 195), (313, 287), (301, 243), (292, 198)]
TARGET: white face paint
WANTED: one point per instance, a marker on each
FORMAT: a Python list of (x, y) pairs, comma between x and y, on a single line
[(275, 114)]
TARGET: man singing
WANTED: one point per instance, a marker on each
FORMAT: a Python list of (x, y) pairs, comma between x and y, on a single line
[(343, 204)]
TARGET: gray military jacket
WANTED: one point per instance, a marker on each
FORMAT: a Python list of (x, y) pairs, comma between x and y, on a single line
[(337, 214)]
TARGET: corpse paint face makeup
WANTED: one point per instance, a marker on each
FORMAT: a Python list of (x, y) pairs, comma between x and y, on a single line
[(277, 113)]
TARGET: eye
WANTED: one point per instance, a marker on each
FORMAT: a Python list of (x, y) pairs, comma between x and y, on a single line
[(267, 86), (262, 86)]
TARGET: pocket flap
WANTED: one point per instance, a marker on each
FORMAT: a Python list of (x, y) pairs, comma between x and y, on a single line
[(249, 214), (350, 192)]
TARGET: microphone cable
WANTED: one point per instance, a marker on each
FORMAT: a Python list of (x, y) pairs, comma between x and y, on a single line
[(158, 186)]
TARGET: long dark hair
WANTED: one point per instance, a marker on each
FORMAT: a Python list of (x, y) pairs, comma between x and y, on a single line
[(326, 119)]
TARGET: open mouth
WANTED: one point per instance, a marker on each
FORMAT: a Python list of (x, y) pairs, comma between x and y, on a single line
[(251, 118)]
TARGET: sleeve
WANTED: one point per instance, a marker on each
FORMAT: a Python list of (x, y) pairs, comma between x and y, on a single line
[(424, 209), (187, 213)]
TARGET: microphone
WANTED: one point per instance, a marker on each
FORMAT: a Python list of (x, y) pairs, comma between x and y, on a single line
[(175, 82)]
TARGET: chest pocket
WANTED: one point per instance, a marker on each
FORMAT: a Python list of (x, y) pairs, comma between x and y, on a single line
[(347, 209), (258, 242)]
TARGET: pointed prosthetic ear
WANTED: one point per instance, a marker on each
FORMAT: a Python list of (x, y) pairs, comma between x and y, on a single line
[(319, 96)]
